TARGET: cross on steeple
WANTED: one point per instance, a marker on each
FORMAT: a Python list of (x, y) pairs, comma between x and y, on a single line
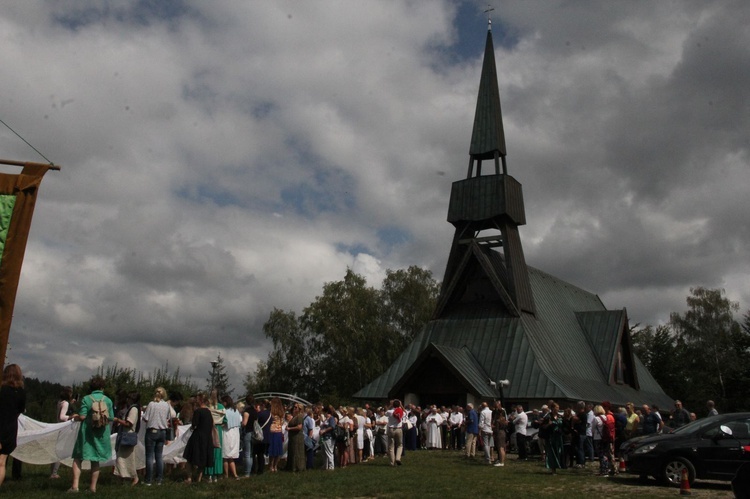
[(489, 18)]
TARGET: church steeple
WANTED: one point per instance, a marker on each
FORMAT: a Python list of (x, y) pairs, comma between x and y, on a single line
[(487, 204), (488, 136)]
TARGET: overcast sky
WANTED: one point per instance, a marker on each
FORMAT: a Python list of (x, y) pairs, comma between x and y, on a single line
[(223, 158)]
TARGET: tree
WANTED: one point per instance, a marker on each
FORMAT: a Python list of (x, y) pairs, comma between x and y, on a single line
[(662, 353), (408, 298), (289, 367), (218, 378), (258, 381), (347, 331), (713, 341), (126, 379), (346, 337)]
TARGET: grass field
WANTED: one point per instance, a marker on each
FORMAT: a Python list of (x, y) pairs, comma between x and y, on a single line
[(425, 474)]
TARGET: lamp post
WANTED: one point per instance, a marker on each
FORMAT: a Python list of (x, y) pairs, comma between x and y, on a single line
[(499, 385)]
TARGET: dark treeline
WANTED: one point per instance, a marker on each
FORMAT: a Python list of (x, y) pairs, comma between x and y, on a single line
[(701, 354), (352, 332)]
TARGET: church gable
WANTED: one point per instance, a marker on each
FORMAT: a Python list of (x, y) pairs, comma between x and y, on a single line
[(441, 368), (479, 280), (607, 332)]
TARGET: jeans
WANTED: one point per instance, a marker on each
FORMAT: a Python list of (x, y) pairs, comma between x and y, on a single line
[(585, 449), (154, 443), (248, 446), (328, 447)]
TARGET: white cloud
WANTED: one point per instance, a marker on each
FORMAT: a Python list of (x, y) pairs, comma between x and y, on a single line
[(221, 160)]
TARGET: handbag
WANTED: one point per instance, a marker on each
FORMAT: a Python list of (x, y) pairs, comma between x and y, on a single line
[(128, 439), (406, 423), (309, 443), (257, 432), (215, 437)]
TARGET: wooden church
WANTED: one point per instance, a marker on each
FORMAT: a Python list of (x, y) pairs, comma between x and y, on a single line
[(499, 319)]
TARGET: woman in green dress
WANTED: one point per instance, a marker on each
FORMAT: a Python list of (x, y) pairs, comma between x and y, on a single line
[(296, 450), (553, 444), (218, 414), (93, 444)]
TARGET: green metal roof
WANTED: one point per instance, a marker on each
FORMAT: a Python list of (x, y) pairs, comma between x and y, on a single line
[(549, 355)]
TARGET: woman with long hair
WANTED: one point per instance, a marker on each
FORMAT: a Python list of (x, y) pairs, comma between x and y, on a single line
[(12, 405), (295, 460), (276, 443), (219, 417), (127, 422), (199, 450), (343, 445), (63, 413)]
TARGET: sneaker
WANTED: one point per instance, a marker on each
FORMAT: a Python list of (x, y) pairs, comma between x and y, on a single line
[(499, 464)]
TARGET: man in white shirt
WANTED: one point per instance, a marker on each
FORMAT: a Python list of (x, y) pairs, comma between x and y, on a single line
[(485, 430), (520, 420), (455, 420), (395, 433)]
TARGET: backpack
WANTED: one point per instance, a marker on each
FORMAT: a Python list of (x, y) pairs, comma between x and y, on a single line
[(257, 432), (606, 430), (340, 434), (99, 413)]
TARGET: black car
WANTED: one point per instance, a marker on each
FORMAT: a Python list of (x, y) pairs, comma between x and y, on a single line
[(701, 448)]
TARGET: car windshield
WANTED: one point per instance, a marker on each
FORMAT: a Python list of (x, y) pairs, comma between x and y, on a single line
[(695, 426)]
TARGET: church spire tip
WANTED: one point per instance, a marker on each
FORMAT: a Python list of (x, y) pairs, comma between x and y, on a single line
[(489, 18)]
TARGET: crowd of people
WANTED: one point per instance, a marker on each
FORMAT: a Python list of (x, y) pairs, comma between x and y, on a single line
[(264, 436)]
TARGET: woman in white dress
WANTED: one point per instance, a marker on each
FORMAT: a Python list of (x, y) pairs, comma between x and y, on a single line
[(361, 420), (434, 420), (125, 464), (230, 450)]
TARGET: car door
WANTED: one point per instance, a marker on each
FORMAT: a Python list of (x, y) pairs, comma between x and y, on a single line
[(720, 454)]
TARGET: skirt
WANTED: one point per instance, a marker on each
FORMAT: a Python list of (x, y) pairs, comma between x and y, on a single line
[(231, 446), (276, 445)]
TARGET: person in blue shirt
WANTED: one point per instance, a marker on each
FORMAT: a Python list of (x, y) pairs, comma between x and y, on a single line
[(472, 430)]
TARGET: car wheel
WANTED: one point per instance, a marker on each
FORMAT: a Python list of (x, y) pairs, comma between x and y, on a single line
[(671, 472)]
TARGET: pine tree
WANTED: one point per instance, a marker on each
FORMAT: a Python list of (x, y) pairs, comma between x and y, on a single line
[(218, 378)]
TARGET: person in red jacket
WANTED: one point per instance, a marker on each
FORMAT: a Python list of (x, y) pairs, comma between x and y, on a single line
[(608, 436)]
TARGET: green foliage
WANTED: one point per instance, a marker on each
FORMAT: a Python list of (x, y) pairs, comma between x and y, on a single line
[(41, 399), (702, 354), (218, 378), (346, 337), (712, 356), (128, 379), (661, 352)]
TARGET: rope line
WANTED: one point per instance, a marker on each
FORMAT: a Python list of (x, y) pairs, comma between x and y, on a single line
[(27, 142)]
